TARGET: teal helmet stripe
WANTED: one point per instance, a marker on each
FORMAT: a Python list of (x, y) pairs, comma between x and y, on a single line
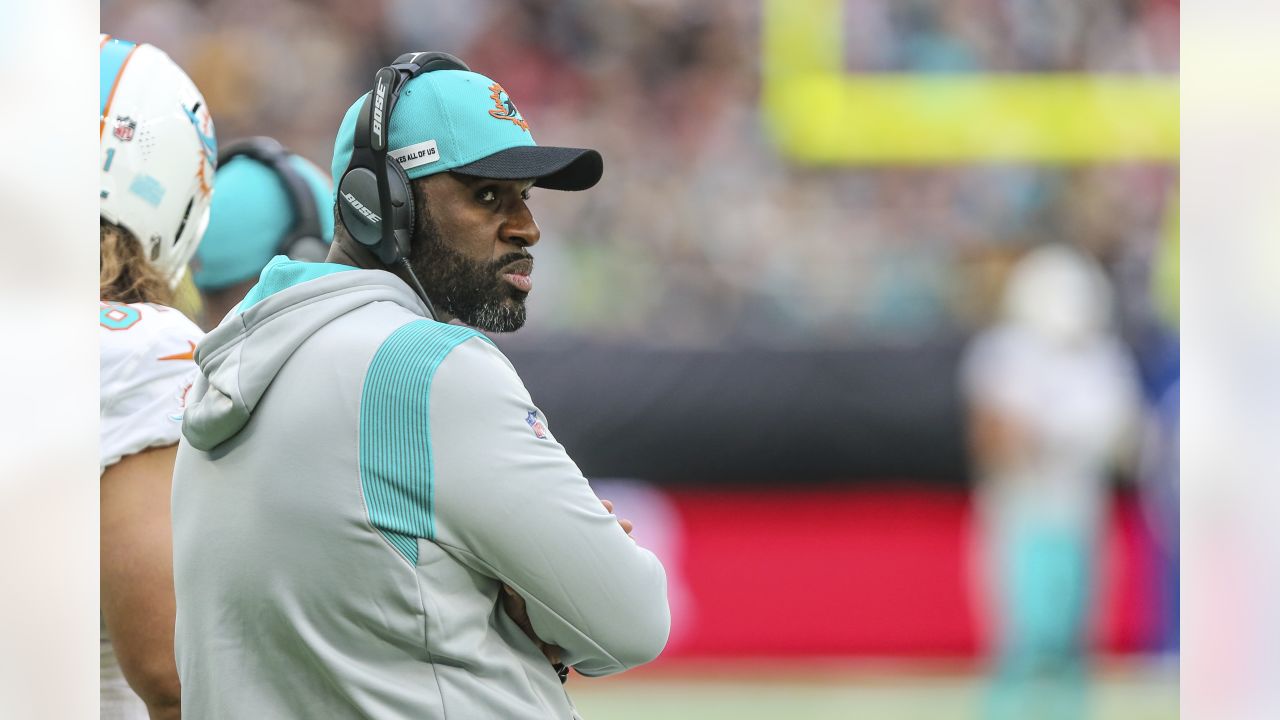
[(110, 62)]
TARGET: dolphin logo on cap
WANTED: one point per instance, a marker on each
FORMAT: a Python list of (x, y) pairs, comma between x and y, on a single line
[(504, 109)]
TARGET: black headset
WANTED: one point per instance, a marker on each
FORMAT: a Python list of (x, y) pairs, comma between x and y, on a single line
[(304, 240), (375, 200)]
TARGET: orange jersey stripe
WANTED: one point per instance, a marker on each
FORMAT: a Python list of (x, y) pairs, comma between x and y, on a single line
[(188, 355)]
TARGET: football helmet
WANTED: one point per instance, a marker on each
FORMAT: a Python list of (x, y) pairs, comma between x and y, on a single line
[(1060, 293), (159, 152)]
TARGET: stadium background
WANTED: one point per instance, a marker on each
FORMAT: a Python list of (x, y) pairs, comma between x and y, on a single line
[(747, 334)]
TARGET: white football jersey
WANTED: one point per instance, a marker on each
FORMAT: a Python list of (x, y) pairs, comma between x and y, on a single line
[(147, 366), (147, 354), (1074, 406)]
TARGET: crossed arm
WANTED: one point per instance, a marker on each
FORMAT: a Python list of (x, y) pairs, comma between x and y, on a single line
[(512, 505)]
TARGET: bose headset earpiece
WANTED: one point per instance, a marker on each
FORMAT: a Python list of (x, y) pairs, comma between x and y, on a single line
[(303, 240), (375, 200)]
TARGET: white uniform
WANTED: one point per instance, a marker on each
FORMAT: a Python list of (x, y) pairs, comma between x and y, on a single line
[(1075, 405), (147, 368)]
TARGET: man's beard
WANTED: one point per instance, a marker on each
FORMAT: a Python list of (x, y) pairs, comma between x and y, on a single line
[(467, 289)]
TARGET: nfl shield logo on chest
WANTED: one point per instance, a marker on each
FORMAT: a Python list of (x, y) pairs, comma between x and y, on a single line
[(538, 428)]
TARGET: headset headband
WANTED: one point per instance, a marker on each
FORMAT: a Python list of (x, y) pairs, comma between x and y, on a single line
[(373, 125)]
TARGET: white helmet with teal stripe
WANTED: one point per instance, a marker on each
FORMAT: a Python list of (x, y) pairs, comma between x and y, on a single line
[(158, 152)]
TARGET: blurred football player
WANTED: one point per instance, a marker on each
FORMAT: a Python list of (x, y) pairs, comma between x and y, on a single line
[(157, 163), (269, 202), (1052, 396)]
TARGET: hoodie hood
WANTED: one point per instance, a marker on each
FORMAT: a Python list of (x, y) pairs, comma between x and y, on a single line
[(239, 359)]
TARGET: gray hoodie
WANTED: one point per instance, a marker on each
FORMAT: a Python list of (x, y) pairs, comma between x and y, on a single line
[(355, 484)]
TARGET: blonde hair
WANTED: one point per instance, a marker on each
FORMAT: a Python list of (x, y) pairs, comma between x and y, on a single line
[(124, 275)]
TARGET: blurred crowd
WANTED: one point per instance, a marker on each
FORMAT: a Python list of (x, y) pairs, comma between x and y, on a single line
[(700, 233)]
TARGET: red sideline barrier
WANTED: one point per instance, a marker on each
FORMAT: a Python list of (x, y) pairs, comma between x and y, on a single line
[(847, 572)]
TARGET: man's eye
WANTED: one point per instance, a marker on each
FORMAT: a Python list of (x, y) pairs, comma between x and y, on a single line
[(486, 195)]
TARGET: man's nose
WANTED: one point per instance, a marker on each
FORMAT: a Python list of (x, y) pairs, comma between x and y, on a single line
[(520, 229)]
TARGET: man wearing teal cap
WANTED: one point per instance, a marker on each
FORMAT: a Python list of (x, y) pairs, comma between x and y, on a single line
[(371, 517), (269, 201)]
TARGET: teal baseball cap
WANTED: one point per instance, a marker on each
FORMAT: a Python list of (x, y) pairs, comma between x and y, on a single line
[(252, 215), (462, 121)]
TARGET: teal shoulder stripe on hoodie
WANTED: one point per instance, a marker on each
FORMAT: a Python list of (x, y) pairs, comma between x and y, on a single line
[(282, 273), (396, 473)]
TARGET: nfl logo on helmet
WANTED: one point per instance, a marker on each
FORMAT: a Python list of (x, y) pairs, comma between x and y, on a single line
[(125, 126)]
